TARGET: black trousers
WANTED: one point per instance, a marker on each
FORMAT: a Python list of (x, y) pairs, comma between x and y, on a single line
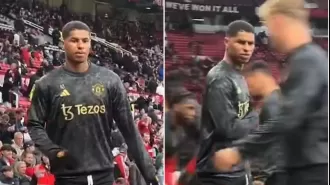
[(278, 178), (94, 179), (309, 175), (243, 180)]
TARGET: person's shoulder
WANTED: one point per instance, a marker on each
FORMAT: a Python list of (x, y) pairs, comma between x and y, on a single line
[(218, 72), (219, 79), (310, 54), (104, 71)]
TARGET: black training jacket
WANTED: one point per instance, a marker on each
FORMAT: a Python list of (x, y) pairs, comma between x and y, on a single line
[(271, 160), (302, 122), (226, 117), (75, 111)]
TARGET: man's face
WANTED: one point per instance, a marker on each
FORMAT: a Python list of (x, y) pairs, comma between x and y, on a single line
[(186, 111), (146, 138), (240, 47), (13, 66), (29, 158), (9, 174), (7, 153), (255, 83), (77, 46), (19, 139)]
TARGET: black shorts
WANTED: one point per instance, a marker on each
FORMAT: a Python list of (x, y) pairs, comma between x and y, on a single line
[(309, 175), (99, 178), (277, 178), (243, 180)]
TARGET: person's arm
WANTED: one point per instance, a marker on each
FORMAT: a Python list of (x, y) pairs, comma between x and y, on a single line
[(300, 90), (124, 120), (303, 86), (37, 118), (223, 113), (257, 142)]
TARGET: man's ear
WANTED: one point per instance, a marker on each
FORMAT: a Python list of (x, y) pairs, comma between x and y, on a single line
[(226, 41)]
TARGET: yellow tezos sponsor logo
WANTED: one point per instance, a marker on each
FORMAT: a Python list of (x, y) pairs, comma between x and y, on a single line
[(70, 111), (98, 89)]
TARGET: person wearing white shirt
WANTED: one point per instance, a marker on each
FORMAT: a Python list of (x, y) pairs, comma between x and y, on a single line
[(18, 143), (160, 89), (16, 39)]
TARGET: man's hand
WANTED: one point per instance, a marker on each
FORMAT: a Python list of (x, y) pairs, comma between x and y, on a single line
[(225, 159), (11, 128), (63, 159)]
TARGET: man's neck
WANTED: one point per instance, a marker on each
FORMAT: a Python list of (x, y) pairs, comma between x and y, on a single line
[(18, 145), (236, 66), (77, 68)]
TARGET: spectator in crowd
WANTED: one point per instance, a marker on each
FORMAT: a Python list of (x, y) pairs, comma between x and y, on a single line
[(19, 25), (42, 173), (12, 80), (20, 173), (56, 36), (29, 159), (149, 148), (18, 143), (6, 155), (160, 165), (5, 132), (7, 176)]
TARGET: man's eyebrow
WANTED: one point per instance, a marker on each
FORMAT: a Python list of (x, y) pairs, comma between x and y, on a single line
[(77, 38)]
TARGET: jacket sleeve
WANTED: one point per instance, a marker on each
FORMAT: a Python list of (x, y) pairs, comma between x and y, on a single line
[(36, 121), (298, 94), (124, 120), (301, 87), (221, 108), (257, 142)]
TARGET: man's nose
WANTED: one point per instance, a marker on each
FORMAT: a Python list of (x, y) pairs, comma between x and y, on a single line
[(80, 45), (247, 47)]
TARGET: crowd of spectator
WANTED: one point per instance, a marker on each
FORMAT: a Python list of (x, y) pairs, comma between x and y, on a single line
[(26, 54)]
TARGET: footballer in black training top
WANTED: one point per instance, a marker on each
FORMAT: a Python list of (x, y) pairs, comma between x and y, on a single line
[(72, 113), (226, 112)]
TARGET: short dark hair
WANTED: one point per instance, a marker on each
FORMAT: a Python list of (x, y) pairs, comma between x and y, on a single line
[(238, 26), (73, 25), (175, 95), (258, 67)]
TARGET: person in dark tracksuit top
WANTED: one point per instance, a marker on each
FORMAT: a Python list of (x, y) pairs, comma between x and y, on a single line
[(72, 113), (263, 86), (226, 112), (302, 122)]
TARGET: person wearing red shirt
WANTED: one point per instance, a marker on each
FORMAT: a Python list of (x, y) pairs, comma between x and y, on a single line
[(143, 124), (29, 159), (150, 149), (42, 175), (26, 56)]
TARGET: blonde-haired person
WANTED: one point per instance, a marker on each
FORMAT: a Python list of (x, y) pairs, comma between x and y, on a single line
[(302, 123), (20, 173), (30, 161)]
